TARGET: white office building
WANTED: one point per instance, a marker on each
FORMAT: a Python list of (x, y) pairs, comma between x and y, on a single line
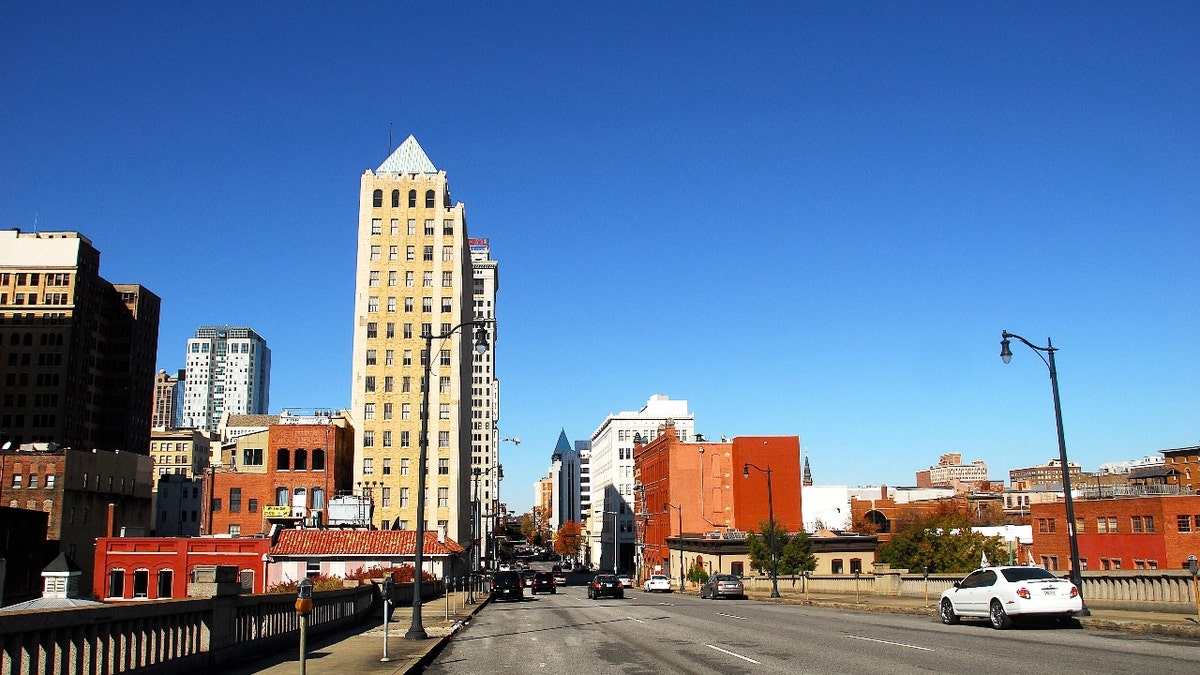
[(611, 475), (228, 370)]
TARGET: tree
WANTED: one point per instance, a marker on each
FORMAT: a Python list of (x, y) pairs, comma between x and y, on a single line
[(793, 551), (697, 574), (796, 555), (567, 541), (944, 543)]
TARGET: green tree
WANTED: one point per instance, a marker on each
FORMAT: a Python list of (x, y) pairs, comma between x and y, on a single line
[(796, 555), (697, 574), (759, 544), (944, 543)]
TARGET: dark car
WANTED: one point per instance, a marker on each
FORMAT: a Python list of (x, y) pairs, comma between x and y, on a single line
[(527, 578), (605, 584), (544, 582), (507, 585), (723, 586)]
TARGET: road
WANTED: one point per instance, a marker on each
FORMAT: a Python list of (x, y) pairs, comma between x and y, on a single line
[(657, 633)]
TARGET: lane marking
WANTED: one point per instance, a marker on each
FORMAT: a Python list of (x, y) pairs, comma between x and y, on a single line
[(726, 651), (888, 642), (731, 616), (633, 619)]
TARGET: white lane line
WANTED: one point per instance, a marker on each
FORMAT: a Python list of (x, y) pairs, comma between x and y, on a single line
[(726, 651), (633, 619), (731, 616), (888, 642)]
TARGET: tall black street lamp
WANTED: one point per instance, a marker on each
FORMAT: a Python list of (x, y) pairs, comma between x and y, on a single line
[(678, 508), (417, 630), (1006, 356), (771, 518)]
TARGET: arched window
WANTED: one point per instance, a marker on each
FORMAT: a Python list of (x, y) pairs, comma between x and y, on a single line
[(165, 582), (29, 339), (430, 199), (281, 495), (412, 199), (300, 463), (318, 463), (377, 199), (318, 498), (395, 198), (15, 339), (281, 459), (116, 583)]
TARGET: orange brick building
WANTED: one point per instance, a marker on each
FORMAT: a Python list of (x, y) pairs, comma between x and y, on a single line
[(288, 472), (690, 489), (1151, 532)]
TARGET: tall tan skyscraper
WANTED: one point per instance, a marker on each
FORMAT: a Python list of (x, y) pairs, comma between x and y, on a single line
[(413, 276)]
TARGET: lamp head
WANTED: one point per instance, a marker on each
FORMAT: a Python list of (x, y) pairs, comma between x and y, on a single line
[(1005, 352), (481, 340), (745, 471)]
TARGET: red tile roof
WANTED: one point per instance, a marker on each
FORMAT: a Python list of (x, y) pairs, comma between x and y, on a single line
[(360, 543)]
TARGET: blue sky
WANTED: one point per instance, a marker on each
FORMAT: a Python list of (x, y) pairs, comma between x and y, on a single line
[(804, 218)]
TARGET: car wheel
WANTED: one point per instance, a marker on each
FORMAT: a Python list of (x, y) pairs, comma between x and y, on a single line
[(946, 612), (1000, 618)]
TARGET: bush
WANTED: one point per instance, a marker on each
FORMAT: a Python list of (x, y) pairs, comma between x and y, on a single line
[(697, 575), (320, 583), (399, 575)]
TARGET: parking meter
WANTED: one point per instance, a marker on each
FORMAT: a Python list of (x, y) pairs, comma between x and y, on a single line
[(304, 597), (1192, 565), (388, 585)]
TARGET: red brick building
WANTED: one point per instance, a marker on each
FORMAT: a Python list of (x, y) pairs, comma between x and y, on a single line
[(1186, 461), (690, 489), (150, 568), (288, 472), (1150, 532)]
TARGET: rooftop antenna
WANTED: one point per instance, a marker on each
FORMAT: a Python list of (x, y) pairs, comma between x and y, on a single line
[(390, 148)]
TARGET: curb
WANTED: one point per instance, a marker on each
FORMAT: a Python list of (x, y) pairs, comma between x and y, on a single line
[(422, 662)]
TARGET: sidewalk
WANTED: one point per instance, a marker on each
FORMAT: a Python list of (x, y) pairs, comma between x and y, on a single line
[(1155, 622), (359, 649)]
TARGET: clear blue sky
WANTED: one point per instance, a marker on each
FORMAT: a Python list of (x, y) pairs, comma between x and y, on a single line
[(803, 218)]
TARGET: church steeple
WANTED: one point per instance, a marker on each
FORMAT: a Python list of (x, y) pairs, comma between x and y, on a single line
[(807, 474)]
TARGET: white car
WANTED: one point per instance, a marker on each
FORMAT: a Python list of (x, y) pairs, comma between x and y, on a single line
[(626, 580), (1001, 593), (657, 582)]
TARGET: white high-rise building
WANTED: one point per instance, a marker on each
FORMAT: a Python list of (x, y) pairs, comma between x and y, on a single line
[(564, 474), (228, 370), (611, 475), (485, 391)]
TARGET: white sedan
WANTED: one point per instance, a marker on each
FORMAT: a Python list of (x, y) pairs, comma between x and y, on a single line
[(657, 582), (1001, 593)]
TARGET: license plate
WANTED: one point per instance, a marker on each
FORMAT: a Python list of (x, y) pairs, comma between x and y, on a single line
[(1049, 591)]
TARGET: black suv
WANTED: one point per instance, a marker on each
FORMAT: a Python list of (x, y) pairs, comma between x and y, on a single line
[(605, 584), (544, 582), (507, 585)]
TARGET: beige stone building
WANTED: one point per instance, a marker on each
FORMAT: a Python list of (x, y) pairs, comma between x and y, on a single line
[(413, 277), (179, 452)]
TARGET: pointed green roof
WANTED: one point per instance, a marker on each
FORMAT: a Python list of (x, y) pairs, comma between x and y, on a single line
[(408, 158)]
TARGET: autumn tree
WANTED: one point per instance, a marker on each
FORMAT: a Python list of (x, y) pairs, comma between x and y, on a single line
[(567, 541), (944, 543)]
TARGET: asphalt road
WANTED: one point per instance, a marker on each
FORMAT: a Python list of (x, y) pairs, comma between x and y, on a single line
[(658, 633)]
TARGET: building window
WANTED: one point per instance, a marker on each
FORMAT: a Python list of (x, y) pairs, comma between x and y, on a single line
[(447, 279), (386, 497), (368, 466), (376, 252), (281, 496), (427, 279), (430, 199), (412, 198), (116, 583), (855, 566), (427, 253), (443, 439), (235, 500), (387, 442), (1184, 523), (404, 498), (1148, 522), (836, 566), (403, 466), (301, 461), (252, 505), (368, 439), (1112, 524), (252, 456), (377, 199), (387, 466), (443, 467), (318, 498), (18, 480), (395, 198), (447, 304), (404, 439), (164, 583), (377, 226), (281, 459), (443, 497), (443, 411), (318, 460)]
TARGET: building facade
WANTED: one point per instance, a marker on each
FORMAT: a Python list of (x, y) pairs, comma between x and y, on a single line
[(1043, 475), (611, 476), (951, 472), (168, 400), (286, 474), (485, 387), (178, 503), (1186, 463), (414, 278), (565, 480), (87, 493), (77, 353), (228, 371), (1146, 532), (181, 452)]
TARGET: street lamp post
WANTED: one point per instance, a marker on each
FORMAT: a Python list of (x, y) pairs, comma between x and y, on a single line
[(417, 630), (771, 518), (1072, 537), (678, 508)]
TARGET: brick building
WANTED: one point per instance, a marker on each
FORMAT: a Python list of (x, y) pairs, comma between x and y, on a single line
[(150, 568), (697, 490), (87, 493), (1186, 461), (1147, 532), (1050, 473), (294, 467)]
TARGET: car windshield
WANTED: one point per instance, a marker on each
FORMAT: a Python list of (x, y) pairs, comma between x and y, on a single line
[(725, 577), (1026, 573)]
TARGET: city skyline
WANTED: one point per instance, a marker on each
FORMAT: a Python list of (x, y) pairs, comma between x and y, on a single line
[(809, 220)]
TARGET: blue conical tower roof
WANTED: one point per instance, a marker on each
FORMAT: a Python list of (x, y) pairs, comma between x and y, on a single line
[(563, 445)]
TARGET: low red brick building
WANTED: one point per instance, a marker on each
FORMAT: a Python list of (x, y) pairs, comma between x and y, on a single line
[(1148, 532), (151, 568)]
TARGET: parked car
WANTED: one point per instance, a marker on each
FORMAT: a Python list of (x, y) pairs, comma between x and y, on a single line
[(544, 582), (560, 578), (527, 577), (507, 585), (723, 586), (1000, 594), (605, 584), (657, 582), (626, 580)]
